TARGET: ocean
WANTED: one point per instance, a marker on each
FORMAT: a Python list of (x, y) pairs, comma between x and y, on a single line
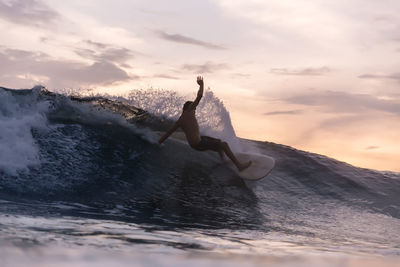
[(84, 182)]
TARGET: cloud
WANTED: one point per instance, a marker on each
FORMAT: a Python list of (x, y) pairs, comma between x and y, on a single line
[(115, 55), (240, 75), (342, 102), (105, 52), (208, 67), (44, 39), (28, 13), (283, 112), (28, 66), (394, 76), (165, 76), (371, 147), (96, 44), (303, 72), (344, 129), (177, 38)]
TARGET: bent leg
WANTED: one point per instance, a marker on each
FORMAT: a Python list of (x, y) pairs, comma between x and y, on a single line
[(241, 166)]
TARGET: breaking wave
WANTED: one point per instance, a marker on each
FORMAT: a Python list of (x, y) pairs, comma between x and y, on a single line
[(97, 154)]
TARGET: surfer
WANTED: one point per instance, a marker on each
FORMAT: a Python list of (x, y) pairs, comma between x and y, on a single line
[(188, 122)]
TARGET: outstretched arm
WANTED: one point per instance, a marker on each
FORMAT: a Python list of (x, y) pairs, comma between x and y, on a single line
[(170, 131), (199, 93)]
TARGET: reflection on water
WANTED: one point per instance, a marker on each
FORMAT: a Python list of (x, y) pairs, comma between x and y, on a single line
[(90, 242)]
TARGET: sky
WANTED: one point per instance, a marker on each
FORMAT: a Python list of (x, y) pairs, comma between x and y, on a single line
[(319, 75)]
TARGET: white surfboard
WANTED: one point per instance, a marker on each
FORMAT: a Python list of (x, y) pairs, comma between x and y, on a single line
[(260, 167)]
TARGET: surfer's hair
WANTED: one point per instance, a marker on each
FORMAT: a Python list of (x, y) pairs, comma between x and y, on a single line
[(187, 105)]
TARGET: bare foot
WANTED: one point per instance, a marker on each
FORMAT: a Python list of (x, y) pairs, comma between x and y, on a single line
[(244, 166)]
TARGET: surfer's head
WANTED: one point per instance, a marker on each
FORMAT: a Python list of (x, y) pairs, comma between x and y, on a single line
[(187, 105)]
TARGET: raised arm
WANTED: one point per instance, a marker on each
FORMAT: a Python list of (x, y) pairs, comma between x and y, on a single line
[(170, 131), (199, 93)]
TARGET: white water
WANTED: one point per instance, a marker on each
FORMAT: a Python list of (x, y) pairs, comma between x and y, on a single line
[(18, 116)]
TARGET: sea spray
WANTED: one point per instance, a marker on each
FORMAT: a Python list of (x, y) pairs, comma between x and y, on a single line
[(101, 186), (213, 117), (19, 115), (90, 113)]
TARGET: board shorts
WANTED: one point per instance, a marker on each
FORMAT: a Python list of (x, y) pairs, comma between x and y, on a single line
[(208, 143)]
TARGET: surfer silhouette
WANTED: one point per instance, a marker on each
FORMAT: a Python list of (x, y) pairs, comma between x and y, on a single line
[(188, 123)]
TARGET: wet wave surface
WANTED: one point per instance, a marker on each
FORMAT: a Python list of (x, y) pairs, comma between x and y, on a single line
[(80, 169)]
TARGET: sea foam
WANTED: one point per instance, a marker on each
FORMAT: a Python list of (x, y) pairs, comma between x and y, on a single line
[(19, 115)]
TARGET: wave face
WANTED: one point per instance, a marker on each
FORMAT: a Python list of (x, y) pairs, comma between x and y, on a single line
[(98, 158)]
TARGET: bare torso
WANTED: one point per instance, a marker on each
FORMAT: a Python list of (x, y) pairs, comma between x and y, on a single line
[(188, 122), (190, 127)]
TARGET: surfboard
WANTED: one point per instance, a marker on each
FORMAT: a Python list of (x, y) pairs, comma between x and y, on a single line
[(260, 167)]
